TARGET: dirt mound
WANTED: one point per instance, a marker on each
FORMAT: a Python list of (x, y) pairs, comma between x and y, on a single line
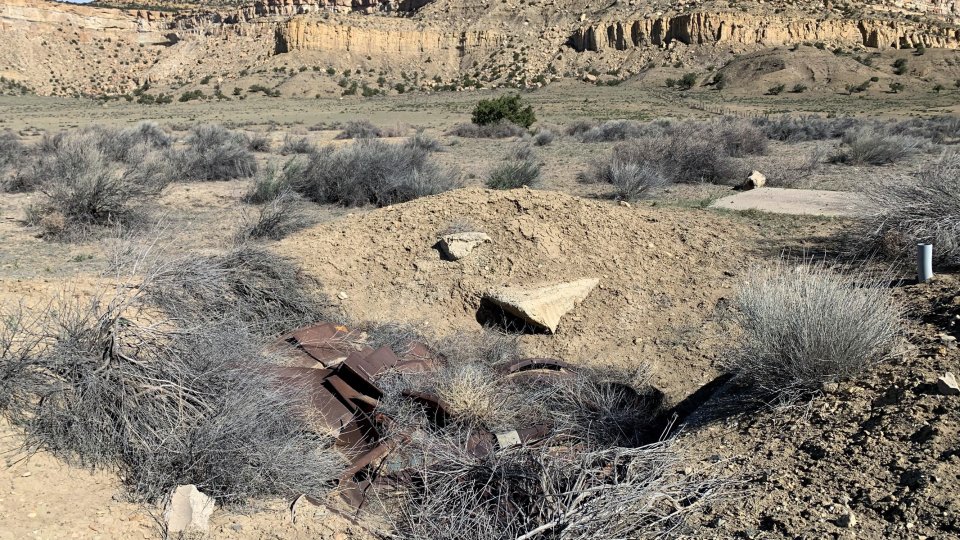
[(663, 273), (814, 68)]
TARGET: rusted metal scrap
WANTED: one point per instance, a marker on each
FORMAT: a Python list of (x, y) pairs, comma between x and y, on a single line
[(340, 371)]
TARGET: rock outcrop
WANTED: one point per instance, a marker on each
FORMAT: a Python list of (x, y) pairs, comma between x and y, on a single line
[(703, 28), (396, 37)]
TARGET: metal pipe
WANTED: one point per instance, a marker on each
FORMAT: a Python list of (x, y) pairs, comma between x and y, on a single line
[(924, 262)]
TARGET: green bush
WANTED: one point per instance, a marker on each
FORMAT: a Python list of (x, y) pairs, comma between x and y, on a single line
[(799, 88), (896, 87), (509, 107), (900, 66), (191, 95), (776, 90), (687, 81)]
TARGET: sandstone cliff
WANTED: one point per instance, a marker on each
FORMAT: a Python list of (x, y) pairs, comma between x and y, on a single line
[(747, 31), (67, 49)]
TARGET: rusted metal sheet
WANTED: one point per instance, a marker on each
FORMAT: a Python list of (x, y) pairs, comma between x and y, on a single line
[(374, 364), (325, 343), (333, 412), (528, 364), (345, 394)]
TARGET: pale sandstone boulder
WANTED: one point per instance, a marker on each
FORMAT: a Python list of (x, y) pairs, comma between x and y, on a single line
[(189, 510), (458, 245), (543, 306)]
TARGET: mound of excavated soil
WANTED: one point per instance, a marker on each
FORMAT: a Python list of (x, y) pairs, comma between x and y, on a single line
[(663, 273)]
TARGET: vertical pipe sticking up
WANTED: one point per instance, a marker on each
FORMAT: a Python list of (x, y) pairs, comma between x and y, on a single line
[(924, 262)]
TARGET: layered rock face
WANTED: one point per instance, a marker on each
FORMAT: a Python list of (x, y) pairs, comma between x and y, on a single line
[(746, 30), (400, 38)]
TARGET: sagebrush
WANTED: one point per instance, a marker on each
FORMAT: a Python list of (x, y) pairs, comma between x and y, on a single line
[(807, 325), (923, 208), (370, 171)]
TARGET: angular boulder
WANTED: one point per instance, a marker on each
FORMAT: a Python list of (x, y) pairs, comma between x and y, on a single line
[(545, 305), (947, 385), (458, 245), (189, 510), (755, 180)]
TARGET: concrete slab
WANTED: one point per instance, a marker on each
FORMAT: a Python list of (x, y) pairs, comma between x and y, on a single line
[(796, 201)]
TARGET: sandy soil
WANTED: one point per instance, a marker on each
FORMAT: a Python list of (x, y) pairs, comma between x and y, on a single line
[(796, 201)]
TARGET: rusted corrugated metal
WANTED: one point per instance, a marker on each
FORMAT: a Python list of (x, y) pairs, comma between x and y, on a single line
[(340, 372)]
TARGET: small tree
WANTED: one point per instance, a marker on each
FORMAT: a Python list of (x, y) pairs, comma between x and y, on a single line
[(775, 90), (687, 81), (719, 81), (937, 88), (896, 87), (799, 88), (508, 107), (900, 66), (921, 49)]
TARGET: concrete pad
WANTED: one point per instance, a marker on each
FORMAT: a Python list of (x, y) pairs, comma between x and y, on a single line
[(814, 202)]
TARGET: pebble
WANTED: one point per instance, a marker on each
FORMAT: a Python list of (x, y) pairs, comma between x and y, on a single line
[(848, 519)]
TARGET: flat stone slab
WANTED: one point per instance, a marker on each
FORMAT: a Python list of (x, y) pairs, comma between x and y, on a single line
[(815, 202), (459, 245), (544, 305)]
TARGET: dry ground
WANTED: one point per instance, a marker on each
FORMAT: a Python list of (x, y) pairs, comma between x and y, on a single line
[(667, 267)]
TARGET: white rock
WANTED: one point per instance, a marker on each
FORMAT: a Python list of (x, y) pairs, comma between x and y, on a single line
[(459, 245), (755, 180), (189, 510), (545, 305), (947, 385)]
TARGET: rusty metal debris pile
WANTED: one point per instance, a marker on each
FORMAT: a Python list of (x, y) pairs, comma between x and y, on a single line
[(341, 373)]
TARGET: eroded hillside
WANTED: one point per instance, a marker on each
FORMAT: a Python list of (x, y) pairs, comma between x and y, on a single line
[(371, 47)]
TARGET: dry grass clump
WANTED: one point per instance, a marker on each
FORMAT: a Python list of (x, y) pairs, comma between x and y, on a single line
[(549, 492), (373, 172), (364, 129), (258, 142), (519, 169), (11, 149), (215, 153), (422, 141), (82, 190), (276, 219), (544, 137), (631, 181), (141, 154), (605, 407), (112, 384), (498, 130), (871, 146), (688, 153), (271, 181), (941, 129), (247, 283), (805, 128), (293, 144), (923, 209), (617, 130), (806, 326)]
